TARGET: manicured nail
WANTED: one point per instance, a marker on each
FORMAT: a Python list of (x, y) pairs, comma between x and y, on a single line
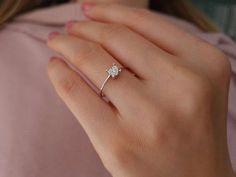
[(69, 24), (86, 6), (52, 35)]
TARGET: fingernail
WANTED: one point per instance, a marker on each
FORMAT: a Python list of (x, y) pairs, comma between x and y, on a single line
[(86, 6), (52, 35), (69, 24)]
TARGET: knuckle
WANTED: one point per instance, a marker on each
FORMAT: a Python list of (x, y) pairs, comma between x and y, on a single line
[(121, 156), (221, 63), (68, 85), (198, 94), (164, 135), (115, 157), (138, 14), (111, 31), (85, 53)]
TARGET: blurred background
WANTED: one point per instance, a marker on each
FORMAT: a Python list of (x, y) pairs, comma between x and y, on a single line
[(222, 12)]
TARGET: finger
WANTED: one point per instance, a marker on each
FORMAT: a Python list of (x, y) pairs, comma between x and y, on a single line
[(152, 26), (93, 60), (160, 31), (130, 48), (95, 115)]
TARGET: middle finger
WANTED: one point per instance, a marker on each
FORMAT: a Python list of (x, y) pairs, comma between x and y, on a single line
[(132, 50)]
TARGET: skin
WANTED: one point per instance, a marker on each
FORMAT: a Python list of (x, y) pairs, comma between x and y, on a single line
[(136, 3), (167, 111)]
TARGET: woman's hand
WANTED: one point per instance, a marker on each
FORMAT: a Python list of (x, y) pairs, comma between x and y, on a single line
[(167, 112)]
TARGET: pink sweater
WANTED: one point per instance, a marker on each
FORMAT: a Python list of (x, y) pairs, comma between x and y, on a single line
[(39, 137)]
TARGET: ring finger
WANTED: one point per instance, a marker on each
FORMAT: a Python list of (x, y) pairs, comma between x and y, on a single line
[(90, 58)]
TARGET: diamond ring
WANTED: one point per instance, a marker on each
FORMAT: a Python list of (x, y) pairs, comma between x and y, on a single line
[(113, 72)]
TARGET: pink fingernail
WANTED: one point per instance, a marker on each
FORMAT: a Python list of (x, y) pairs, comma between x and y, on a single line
[(69, 24), (86, 6), (52, 35)]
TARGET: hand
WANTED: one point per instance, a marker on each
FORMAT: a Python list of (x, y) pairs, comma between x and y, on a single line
[(167, 111)]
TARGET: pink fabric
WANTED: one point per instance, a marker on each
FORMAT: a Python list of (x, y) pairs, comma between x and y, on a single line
[(39, 137)]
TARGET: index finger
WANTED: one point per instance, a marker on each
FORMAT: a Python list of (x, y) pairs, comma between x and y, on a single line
[(152, 26)]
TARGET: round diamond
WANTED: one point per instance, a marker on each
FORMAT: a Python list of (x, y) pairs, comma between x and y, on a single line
[(113, 71)]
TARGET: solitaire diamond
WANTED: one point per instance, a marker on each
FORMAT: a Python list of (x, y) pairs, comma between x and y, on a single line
[(114, 71)]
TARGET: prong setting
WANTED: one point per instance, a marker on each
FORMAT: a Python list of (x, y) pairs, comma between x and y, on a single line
[(114, 71)]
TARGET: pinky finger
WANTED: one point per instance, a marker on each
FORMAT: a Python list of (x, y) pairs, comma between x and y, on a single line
[(94, 114)]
